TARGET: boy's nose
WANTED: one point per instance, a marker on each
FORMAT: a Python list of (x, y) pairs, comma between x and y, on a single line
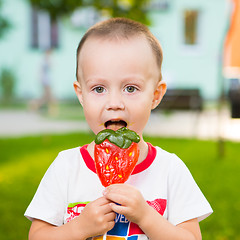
[(114, 102)]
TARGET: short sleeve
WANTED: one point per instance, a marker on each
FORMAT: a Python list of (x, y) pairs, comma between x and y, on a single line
[(185, 199), (49, 201)]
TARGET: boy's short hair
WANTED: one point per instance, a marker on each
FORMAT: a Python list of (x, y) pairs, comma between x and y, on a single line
[(122, 28)]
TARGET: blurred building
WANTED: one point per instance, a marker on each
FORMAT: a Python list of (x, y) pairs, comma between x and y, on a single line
[(191, 34)]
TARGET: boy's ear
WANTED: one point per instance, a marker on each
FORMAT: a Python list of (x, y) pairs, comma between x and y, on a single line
[(159, 93), (78, 91)]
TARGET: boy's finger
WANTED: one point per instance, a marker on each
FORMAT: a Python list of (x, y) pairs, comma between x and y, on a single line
[(118, 189), (110, 216), (118, 208), (101, 201), (117, 197)]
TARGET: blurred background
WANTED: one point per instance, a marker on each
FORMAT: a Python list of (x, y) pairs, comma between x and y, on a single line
[(198, 119)]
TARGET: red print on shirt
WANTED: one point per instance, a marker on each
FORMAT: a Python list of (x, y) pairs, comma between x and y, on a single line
[(159, 205)]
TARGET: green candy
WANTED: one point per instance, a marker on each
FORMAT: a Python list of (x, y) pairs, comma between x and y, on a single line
[(122, 138)]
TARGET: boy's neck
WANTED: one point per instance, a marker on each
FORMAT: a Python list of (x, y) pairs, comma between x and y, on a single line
[(143, 148)]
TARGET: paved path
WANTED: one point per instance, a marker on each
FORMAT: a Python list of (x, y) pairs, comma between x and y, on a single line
[(22, 123), (205, 125)]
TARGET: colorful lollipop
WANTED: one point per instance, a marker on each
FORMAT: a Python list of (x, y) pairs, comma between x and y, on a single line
[(116, 154)]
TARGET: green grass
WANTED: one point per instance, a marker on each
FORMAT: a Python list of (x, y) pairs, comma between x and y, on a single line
[(23, 161)]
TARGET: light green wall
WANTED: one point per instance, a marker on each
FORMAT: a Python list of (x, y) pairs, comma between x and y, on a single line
[(181, 67), (16, 54), (185, 67)]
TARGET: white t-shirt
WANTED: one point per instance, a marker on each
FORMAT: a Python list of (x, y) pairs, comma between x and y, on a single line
[(163, 179)]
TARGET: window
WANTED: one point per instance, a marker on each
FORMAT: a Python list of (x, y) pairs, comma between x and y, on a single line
[(158, 4), (44, 31), (191, 23)]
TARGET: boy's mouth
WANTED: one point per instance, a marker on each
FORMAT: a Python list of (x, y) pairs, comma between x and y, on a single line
[(115, 124)]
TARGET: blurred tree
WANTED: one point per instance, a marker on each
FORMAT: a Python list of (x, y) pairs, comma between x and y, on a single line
[(134, 9), (7, 85), (4, 23)]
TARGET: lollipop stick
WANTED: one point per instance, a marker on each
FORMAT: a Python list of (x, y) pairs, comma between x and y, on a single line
[(105, 236)]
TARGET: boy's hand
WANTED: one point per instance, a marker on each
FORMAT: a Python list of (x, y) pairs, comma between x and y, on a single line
[(134, 207), (132, 204), (96, 218)]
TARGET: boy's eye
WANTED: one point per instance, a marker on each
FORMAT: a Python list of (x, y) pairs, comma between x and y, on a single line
[(130, 89), (99, 89)]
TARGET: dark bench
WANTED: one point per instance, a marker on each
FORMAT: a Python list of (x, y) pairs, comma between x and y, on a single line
[(234, 97), (181, 99)]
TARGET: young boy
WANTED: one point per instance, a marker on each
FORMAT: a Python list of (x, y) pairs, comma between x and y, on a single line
[(118, 84)]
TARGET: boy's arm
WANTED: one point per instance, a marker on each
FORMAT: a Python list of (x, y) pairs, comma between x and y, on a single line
[(134, 207), (43, 230), (157, 227), (96, 219)]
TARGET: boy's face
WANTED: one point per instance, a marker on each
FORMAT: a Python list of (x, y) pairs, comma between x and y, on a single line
[(118, 83)]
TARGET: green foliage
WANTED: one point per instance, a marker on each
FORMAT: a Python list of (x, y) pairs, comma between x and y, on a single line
[(4, 23), (134, 9), (7, 84), (23, 161)]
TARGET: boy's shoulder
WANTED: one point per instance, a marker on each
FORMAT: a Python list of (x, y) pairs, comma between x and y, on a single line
[(69, 152), (165, 155), (67, 157), (169, 159)]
